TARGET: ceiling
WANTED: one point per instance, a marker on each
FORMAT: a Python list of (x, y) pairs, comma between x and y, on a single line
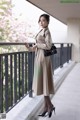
[(60, 10)]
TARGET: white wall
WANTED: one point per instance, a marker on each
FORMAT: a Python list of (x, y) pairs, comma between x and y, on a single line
[(74, 37)]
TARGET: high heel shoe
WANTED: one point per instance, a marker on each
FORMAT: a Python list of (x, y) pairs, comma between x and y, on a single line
[(43, 114), (50, 112)]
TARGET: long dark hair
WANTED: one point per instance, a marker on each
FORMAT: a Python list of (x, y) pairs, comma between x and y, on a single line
[(46, 16)]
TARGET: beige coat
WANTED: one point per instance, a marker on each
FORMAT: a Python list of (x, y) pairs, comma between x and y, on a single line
[(43, 78)]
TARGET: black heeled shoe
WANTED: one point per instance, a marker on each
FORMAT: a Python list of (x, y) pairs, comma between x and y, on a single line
[(50, 113), (43, 114)]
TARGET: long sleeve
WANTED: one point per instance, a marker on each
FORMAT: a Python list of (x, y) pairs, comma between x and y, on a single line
[(48, 41)]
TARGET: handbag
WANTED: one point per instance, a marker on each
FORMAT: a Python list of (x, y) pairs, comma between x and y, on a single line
[(52, 51)]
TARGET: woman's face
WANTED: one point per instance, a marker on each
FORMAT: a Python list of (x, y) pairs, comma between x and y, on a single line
[(43, 22)]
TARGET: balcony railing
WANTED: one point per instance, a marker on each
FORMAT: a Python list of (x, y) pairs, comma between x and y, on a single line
[(16, 73)]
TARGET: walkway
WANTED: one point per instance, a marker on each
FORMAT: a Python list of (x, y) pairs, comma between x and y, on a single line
[(67, 98)]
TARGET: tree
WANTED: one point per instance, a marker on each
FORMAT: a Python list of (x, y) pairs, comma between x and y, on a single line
[(5, 13)]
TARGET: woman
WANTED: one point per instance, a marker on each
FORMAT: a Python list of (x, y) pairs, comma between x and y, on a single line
[(43, 78)]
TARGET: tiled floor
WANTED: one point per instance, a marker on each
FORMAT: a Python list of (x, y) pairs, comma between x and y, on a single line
[(67, 98)]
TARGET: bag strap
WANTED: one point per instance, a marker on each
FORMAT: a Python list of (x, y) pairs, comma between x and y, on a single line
[(44, 33), (38, 33)]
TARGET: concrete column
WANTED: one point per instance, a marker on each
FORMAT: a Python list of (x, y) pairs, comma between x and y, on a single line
[(74, 37)]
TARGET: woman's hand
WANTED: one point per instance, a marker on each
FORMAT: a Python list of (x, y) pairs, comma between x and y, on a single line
[(27, 45), (34, 47)]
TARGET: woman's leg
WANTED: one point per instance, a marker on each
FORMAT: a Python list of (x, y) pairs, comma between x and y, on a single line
[(45, 104), (45, 108), (48, 102), (50, 106)]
